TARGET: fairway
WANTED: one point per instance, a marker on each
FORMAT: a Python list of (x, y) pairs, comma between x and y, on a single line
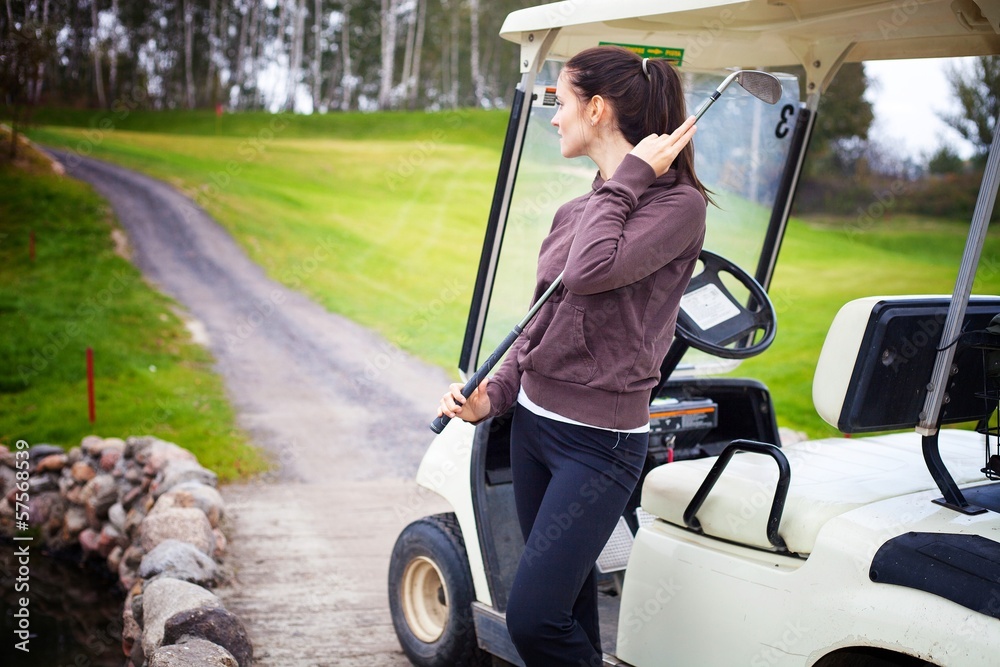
[(64, 289), (381, 218)]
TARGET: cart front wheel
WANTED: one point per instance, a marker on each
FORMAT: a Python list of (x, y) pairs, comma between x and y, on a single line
[(431, 594)]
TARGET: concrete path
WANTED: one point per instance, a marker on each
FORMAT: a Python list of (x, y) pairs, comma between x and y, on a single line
[(344, 414)]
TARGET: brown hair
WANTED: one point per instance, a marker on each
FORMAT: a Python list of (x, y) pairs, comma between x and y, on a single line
[(642, 104)]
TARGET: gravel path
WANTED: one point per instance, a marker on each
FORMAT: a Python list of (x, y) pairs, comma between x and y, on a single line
[(343, 412)]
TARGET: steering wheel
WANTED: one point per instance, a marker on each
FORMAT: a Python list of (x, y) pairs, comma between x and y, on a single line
[(710, 317)]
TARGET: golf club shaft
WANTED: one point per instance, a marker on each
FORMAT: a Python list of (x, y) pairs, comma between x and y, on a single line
[(439, 423), (714, 96)]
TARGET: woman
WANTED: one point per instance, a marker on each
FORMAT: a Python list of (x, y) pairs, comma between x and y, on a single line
[(580, 375)]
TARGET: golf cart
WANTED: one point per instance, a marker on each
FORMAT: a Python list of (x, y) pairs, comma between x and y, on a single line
[(738, 549)]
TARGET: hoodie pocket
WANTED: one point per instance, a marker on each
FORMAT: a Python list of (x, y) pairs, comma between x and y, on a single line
[(562, 353)]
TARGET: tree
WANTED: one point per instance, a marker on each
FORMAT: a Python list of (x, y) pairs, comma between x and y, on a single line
[(842, 122), (945, 161), (24, 47), (389, 24), (978, 93)]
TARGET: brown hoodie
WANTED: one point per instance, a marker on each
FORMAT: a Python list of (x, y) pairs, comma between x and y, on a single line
[(593, 351)]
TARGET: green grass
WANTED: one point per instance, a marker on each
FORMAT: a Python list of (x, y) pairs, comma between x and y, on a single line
[(381, 217), (386, 232), (77, 293), (460, 126), (823, 264)]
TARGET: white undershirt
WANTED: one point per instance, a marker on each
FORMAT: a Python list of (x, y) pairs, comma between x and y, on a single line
[(523, 399)]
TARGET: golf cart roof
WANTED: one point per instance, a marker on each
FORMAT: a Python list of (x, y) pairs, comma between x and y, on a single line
[(766, 33)]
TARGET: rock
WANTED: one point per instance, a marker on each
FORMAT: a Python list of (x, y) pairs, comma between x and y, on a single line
[(137, 655), (39, 452), (42, 483), (127, 574), (98, 495), (8, 478), (136, 446), (131, 496), (117, 516), (159, 452), (178, 472), (179, 560), (164, 597), (131, 630), (220, 544), (89, 540), (74, 522), (82, 472), (6, 518), (98, 447), (133, 519), (92, 444), (108, 540), (135, 606), (52, 463), (132, 474), (115, 558), (7, 458), (45, 506), (184, 524), (216, 625), (194, 494), (109, 458), (75, 454), (192, 652)]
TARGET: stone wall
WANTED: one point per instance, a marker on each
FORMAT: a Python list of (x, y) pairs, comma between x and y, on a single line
[(150, 513)]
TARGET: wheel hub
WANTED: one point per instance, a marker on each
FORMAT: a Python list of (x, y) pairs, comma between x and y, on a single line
[(425, 599)]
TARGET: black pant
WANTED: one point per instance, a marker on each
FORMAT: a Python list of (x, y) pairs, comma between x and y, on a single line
[(571, 484)]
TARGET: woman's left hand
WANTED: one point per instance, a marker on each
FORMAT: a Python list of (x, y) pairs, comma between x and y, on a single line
[(660, 150)]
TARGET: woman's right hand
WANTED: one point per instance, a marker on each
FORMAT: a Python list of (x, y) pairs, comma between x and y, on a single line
[(472, 409), (660, 150)]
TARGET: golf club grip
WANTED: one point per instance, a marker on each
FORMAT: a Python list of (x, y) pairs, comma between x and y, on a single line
[(440, 422)]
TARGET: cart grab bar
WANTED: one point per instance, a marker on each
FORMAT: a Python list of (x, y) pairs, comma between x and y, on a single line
[(780, 490)]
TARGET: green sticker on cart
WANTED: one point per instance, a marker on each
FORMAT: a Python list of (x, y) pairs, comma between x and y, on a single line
[(675, 56)]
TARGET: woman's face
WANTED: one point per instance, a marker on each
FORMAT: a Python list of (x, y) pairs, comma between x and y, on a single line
[(569, 119)]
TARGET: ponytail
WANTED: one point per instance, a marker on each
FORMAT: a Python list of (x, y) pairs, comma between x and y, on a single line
[(645, 94)]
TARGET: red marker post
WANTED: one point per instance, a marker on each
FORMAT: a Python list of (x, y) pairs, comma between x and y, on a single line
[(90, 384)]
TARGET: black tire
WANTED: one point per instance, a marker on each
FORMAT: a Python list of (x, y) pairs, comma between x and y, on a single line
[(431, 595)]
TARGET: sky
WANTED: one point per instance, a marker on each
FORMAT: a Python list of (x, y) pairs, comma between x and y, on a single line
[(906, 101)]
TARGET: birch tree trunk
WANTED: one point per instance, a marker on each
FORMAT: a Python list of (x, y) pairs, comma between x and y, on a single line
[(453, 59), (317, 59), (35, 93), (388, 53), (113, 51), (242, 47), (418, 49), (213, 45), (276, 91), (189, 54), (295, 65), (345, 49), (477, 75), (405, 77), (95, 46)]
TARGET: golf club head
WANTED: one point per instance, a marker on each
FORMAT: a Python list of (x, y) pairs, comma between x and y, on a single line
[(761, 85)]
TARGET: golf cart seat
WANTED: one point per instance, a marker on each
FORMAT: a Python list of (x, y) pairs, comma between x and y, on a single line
[(873, 349)]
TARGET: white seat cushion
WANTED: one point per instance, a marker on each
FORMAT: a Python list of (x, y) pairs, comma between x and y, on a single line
[(828, 477)]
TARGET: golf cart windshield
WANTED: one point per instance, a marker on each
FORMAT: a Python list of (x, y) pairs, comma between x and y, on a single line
[(741, 144), (741, 148)]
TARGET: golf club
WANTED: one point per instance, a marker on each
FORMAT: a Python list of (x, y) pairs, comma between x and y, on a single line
[(761, 85)]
